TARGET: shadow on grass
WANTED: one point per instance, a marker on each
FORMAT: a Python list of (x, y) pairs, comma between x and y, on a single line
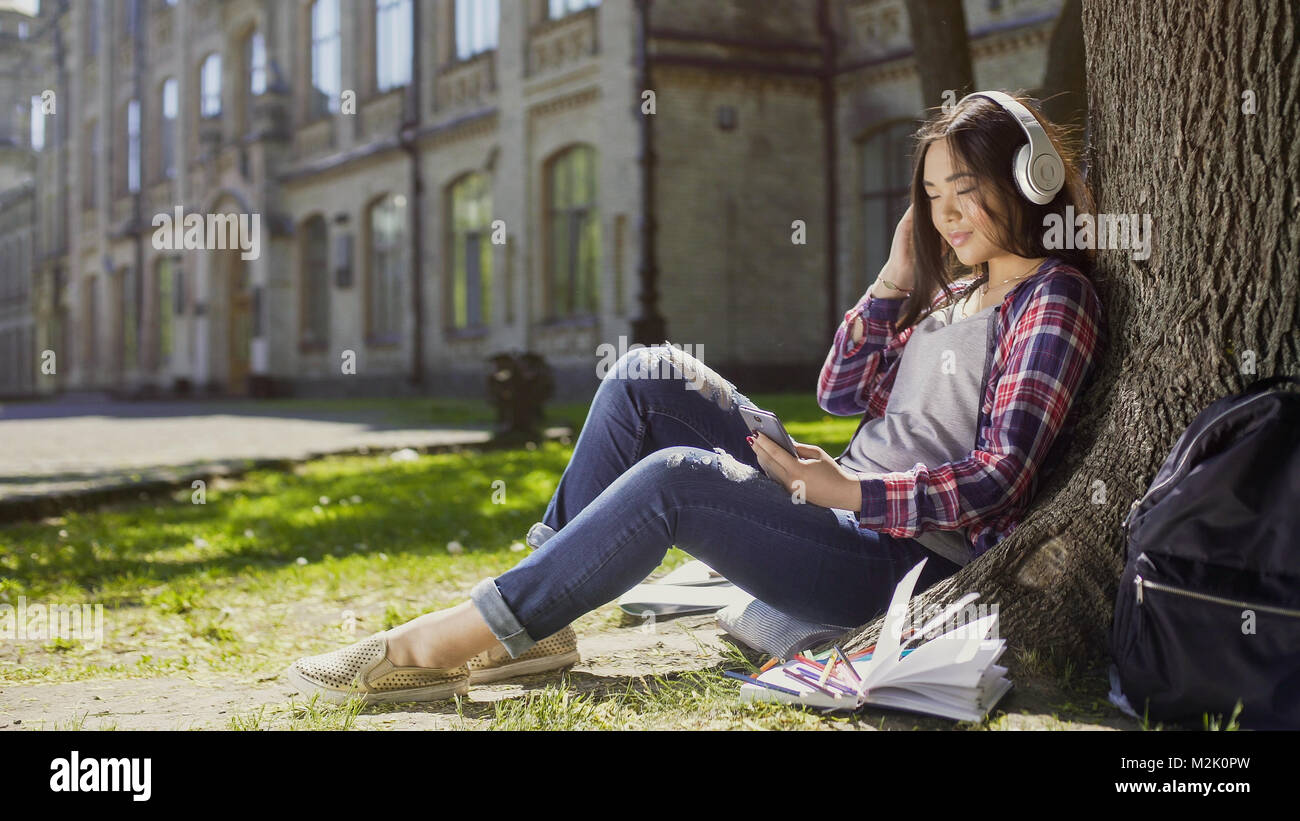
[(485, 498)]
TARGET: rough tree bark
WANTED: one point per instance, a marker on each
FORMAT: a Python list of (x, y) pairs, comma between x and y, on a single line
[(941, 48), (1167, 82)]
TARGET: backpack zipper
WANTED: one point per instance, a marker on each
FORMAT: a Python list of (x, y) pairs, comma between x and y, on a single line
[(1186, 452), (1140, 583)]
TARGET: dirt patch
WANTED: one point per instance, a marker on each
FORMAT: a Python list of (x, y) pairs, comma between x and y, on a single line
[(612, 658)]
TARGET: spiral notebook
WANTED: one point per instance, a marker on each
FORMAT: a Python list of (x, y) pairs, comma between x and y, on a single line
[(952, 676)]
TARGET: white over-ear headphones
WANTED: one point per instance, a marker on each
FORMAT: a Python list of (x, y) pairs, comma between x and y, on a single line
[(1037, 168)]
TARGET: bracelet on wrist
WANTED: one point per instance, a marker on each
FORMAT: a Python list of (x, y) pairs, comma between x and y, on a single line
[(891, 286)]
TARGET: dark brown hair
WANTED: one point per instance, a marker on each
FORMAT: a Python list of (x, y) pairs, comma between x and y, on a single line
[(983, 139)]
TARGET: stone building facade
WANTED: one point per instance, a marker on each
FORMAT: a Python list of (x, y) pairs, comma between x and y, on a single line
[(439, 180)]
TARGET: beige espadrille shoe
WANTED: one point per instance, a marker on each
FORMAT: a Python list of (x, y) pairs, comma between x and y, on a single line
[(551, 653), (363, 670)]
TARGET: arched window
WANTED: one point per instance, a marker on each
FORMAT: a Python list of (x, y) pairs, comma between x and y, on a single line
[(210, 86), (386, 269), (573, 233), (886, 182), (470, 211), (314, 280)]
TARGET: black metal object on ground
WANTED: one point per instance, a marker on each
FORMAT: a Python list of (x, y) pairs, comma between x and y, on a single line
[(518, 386)]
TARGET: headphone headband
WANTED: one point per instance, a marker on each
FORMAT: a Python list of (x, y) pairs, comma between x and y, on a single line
[(1036, 168)]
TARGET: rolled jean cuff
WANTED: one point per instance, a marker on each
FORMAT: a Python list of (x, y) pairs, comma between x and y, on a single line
[(500, 619)]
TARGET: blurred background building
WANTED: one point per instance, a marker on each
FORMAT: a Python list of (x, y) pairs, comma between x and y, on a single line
[(381, 141)]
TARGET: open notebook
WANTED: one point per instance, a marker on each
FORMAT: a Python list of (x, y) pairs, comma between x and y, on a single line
[(952, 675)]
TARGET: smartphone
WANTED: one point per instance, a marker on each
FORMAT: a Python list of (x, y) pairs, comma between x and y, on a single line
[(759, 420)]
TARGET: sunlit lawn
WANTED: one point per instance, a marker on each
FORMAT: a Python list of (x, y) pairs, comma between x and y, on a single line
[(270, 567)]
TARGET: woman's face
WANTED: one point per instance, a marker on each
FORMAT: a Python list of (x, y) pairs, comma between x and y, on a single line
[(955, 211)]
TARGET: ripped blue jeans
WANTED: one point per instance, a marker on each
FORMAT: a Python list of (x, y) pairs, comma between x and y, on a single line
[(662, 460)]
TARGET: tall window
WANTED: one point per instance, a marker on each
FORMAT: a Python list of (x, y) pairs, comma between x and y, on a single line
[(315, 281), (133, 146), (476, 26), (89, 157), (167, 139), (164, 293), (126, 308), (210, 87), (255, 54), (130, 10), (89, 327), (37, 124), (394, 27), (92, 28), (326, 68), (574, 232), (471, 252), (886, 181), (387, 269), (558, 8)]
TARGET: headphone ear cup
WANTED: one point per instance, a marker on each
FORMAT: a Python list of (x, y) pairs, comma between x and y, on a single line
[(1049, 174), (1020, 172)]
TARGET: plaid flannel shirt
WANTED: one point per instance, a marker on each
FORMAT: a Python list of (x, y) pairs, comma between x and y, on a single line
[(1049, 334)]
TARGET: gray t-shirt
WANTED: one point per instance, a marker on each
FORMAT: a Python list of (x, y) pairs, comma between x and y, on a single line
[(933, 407)]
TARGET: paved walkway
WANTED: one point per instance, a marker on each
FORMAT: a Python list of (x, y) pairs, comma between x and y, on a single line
[(69, 447)]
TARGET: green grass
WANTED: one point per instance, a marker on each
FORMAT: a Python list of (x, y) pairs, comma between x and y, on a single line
[(274, 564), (277, 565)]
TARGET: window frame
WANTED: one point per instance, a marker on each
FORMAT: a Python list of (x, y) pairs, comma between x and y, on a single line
[(210, 72), (568, 7), (167, 130), (133, 147), (476, 28), (577, 311), (394, 276), (393, 66), (309, 275), (255, 73), (457, 235), (317, 42), (894, 132)]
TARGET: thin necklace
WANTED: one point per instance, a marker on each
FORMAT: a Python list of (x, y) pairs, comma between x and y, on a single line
[(984, 287)]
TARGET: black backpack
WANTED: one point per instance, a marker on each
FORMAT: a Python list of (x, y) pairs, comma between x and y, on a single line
[(1208, 609)]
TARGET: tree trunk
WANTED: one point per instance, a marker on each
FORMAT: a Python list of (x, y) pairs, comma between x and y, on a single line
[(1214, 307), (1064, 94), (941, 49)]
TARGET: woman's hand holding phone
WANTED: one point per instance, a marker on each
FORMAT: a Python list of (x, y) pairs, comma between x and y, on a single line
[(822, 480)]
